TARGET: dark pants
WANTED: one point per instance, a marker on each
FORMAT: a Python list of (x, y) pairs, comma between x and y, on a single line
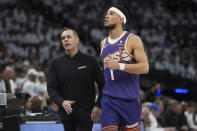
[(82, 124)]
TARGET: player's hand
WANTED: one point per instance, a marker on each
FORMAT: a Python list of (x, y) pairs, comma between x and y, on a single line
[(96, 114), (111, 63), (67, 106)]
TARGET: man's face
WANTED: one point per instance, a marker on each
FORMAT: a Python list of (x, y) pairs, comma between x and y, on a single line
[(157, 87), (175, 108), (42, 78), (3, 75), (33, 77), (9, 73), (69, 40), (112, 19)]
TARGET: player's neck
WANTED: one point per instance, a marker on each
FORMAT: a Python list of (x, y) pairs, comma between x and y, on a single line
[(72, 53), (115, 33)]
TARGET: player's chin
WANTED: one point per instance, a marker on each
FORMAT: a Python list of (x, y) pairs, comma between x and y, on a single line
[(109, 26), (106, 25)]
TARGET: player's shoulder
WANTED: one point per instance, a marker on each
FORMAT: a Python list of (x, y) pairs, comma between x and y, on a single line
[(133, 36), (134, 39)]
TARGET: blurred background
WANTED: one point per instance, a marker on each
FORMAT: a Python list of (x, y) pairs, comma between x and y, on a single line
[(30, 37)]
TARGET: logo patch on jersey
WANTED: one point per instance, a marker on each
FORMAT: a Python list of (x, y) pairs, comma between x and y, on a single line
[(82, 67), (132, 126), (120, 43), (105, 46)]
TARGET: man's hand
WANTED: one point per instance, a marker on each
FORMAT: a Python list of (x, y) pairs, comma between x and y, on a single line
[(111, 63), (67, 106), (184, 128), (170, 129), (96, 114)]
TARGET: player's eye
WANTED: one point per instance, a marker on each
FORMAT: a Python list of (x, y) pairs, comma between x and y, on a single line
[(111, 13)]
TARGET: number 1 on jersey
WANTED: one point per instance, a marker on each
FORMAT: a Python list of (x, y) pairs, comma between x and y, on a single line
[(112, 74)]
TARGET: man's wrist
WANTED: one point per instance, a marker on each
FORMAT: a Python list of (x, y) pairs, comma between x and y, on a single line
[(96, 106), (122, 66)]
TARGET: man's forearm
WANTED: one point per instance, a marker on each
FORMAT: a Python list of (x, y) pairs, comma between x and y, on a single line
[(139, 68), (55, 96)]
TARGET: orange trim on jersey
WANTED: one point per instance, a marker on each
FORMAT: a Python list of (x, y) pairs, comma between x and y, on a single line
[(118, 39), (139, 99), (111, 126), (125, 46), (120, 55), (102, 47)]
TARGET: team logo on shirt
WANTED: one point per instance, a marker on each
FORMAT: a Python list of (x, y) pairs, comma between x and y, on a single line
[(120, 56), (120, 43), (82, 67)]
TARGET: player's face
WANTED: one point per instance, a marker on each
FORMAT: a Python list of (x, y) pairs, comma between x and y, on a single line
[(111, 19), (69, 40)]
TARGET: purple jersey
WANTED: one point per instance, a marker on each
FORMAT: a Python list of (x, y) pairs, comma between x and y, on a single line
[(125, 85)]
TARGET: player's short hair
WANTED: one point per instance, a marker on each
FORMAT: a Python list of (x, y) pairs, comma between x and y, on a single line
[(74, 31)]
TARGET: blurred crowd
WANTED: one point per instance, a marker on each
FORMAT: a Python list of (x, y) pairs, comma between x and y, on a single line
[(30, 37), (30, 30), (29, 85), (162, 113), (159, 112)]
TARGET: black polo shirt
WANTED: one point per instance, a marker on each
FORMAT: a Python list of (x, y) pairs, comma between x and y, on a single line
[(72, 78)]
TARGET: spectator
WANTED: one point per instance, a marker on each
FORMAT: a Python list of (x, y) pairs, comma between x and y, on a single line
[(42, 86), (3, 86), (36, 105), (4, 83), (171, 117), (160, 104), (152, 93), (190, 116), (151, 123), (10, 78), (52, 107), (20, 78), (30, 85)]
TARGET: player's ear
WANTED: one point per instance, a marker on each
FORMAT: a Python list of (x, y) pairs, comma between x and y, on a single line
[(121, 20)]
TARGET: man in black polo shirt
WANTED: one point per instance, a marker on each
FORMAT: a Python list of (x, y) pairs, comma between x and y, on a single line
[(71, 84)]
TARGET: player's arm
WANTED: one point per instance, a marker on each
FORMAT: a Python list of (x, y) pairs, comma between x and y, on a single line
[(101, 45), (141, 66)]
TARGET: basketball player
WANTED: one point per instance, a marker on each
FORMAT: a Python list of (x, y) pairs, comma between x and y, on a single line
[(124, 59)]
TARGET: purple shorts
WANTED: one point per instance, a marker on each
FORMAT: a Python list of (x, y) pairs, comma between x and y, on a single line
[(120, 113)]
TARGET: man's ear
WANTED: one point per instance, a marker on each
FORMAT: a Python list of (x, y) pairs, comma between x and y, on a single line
[(122, 20), (77, 40)]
